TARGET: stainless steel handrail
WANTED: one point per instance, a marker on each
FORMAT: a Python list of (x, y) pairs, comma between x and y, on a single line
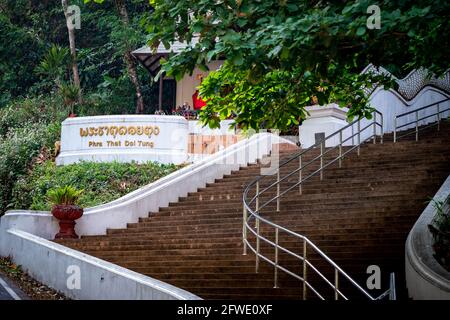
[(392, 291), (417, 119), (250, 214)]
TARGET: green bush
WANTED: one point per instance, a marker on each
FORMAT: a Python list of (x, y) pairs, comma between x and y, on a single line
[(28, 126), (28, 112), (19, 146), (101, 182)]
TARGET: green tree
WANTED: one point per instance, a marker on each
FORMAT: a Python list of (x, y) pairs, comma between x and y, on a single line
[(28, 29), (127, 47), (283, 55)]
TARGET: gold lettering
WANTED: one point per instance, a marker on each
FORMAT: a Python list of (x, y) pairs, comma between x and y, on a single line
[(113, 131), (148, 144), (83, 132), (148, 131), (122, 130), (93, 144), (132, 130), (101, 131)]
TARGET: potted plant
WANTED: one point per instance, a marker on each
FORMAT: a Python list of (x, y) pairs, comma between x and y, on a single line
[(440, 230), (64, 208)]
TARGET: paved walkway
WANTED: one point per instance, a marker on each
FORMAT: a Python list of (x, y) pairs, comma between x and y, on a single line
[(8, 291)]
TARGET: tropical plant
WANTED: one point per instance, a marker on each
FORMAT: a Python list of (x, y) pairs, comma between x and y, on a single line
[(54, 64), (442, 218), (66, 196), (440, 230), (70, 93)]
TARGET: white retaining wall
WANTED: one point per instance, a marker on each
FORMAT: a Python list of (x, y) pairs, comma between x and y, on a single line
[(426, 279), (388, 102), (56, 265)]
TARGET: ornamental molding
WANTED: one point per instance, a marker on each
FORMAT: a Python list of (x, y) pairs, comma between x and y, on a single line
[(411, 85)]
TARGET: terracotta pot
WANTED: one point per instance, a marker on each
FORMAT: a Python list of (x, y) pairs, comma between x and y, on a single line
[(67, 215)]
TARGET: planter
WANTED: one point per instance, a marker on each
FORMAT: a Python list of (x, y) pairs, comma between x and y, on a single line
[(441, 246), (67, 214)]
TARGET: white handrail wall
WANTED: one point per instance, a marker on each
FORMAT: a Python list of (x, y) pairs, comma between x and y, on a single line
[(426, 279), (57, 266)]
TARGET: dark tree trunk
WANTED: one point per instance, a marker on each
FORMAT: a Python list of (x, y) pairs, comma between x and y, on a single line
[(128, 58)]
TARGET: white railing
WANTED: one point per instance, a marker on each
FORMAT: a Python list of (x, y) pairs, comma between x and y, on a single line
[(252, 212)]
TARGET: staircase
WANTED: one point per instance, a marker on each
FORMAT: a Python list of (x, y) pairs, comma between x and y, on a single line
[(359, 215)]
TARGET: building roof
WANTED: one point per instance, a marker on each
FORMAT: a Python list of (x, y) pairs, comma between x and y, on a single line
[(150, 58), (175, 47)]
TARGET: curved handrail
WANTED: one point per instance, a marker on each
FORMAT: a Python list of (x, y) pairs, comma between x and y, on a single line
[(250, 213)]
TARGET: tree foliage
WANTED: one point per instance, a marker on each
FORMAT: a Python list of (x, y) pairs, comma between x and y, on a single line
[(283, 55), (28, 31)]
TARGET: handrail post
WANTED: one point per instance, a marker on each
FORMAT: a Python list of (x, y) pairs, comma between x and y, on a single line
[(276, 260), (300, 175), (244, 230), (353, 135), (278, 190), (438, 118), (359, 136), (395, 129), (374, 127), (336, 284), (305, 276), (257, 228), (340, 149), (417, 126), (257, 196), (392, 289), (382, 127), (257, 246), (322, 147)]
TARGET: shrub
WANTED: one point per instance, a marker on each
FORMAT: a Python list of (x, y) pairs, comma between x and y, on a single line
[(19, 147), (30, 111), (28, 127), (101, 182), (440, 230)]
